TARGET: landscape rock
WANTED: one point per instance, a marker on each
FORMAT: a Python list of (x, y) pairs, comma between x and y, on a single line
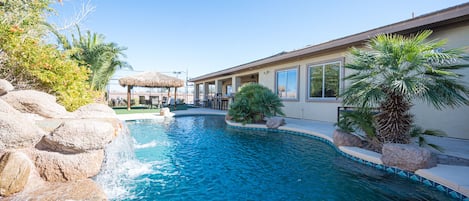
[(275, 122), (7, 108), (14, 172), (85, 189), (5, 87), (346, 139), (36, 102), (165, 112), (407, 157), (78, 135), (95, 110), (57, 167), (18, 132)]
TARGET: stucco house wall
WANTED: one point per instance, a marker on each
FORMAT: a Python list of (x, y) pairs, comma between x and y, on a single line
[(454, 28)]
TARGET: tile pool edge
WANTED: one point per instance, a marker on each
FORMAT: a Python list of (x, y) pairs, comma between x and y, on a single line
[(364, 157)]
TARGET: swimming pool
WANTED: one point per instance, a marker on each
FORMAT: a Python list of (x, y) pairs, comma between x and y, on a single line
[(200, 158)]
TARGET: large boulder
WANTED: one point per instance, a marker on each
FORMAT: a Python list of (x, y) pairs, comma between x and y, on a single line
[(78, 135), (95, 110), (407, 157), (85, 189), (346, 139), (18, 132), (7, 108), (14, 172), (57, 167), (36, 102), (5, 87), (275, 122)]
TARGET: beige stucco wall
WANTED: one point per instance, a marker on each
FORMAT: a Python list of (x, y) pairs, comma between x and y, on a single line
[(303, 108), (455, 122)]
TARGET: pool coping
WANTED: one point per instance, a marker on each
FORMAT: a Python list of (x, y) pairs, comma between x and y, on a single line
[(439, 177)]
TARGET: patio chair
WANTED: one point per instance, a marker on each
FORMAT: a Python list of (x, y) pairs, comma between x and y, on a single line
[(164, 101), (155, 100), (141, 100)]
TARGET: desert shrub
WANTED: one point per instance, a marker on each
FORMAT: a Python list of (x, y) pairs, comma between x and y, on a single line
[(253, 102), (29, 63)]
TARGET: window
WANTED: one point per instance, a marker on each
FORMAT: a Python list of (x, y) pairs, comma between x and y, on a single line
[(324, 80), (287, 83)]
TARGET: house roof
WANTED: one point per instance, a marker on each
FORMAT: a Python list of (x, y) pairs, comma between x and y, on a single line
[(441, 18)]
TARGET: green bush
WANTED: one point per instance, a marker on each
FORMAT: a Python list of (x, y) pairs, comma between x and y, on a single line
[(254, 102), (29, 63)]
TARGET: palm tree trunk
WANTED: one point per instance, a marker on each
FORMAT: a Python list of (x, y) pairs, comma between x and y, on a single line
[(394, 121)]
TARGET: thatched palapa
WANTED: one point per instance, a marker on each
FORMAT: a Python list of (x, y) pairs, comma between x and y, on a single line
[(150, 79)]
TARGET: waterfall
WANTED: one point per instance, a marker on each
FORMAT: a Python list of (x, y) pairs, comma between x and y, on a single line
[(120, 167)]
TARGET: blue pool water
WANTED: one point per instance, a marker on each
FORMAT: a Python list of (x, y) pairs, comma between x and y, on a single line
[(199, 158)]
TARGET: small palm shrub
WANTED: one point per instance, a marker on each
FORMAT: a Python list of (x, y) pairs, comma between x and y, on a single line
[(395, 70), (363, 122), (254, 102)]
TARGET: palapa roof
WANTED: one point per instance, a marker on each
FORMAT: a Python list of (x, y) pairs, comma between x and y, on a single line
[(151, 79)]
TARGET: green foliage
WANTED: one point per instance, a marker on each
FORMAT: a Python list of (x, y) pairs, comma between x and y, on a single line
[(92, 52), (418, 133), (393, 70), (30, 64), (359, 122), (254, 102)]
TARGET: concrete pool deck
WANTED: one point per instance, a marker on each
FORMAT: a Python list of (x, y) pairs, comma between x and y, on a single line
[(454, 177)]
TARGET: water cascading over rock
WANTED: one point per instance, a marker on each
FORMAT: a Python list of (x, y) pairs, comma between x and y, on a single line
[(48, 153)]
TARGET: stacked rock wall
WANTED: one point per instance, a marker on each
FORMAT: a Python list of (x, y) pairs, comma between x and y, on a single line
[(48, 153)]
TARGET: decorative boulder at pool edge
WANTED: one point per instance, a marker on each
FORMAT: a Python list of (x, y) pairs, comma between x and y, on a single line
[(7, 108), (18, 132), (14, 172), (5, 87), (165, 112), (346, 139), (85, 189), (275, 122), (36, 102), (95, 110), (407, 157), (57, 167), (77, 136)]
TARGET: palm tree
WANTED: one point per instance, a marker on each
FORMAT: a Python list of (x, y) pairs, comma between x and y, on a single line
[(90, 50), (393, 70)]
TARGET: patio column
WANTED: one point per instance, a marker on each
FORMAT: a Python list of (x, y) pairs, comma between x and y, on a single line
[(196, 93), (235, 82), (218, 86), (205, 90)]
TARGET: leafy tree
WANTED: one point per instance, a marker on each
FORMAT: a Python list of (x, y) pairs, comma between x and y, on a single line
[(393, 70), (29, 63), (254, 102)]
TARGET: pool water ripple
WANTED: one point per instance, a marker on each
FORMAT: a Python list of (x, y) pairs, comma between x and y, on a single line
[(199, 158)]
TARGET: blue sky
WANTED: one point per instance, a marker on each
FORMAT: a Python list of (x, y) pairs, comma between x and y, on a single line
[(203, 36)]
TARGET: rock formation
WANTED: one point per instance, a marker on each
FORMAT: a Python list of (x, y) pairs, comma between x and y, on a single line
[(275, 122), (407, 157), (346, 139), (48, 153)]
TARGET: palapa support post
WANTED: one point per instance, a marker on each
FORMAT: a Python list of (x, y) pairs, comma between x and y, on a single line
[(128, 96), (175, 95)]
